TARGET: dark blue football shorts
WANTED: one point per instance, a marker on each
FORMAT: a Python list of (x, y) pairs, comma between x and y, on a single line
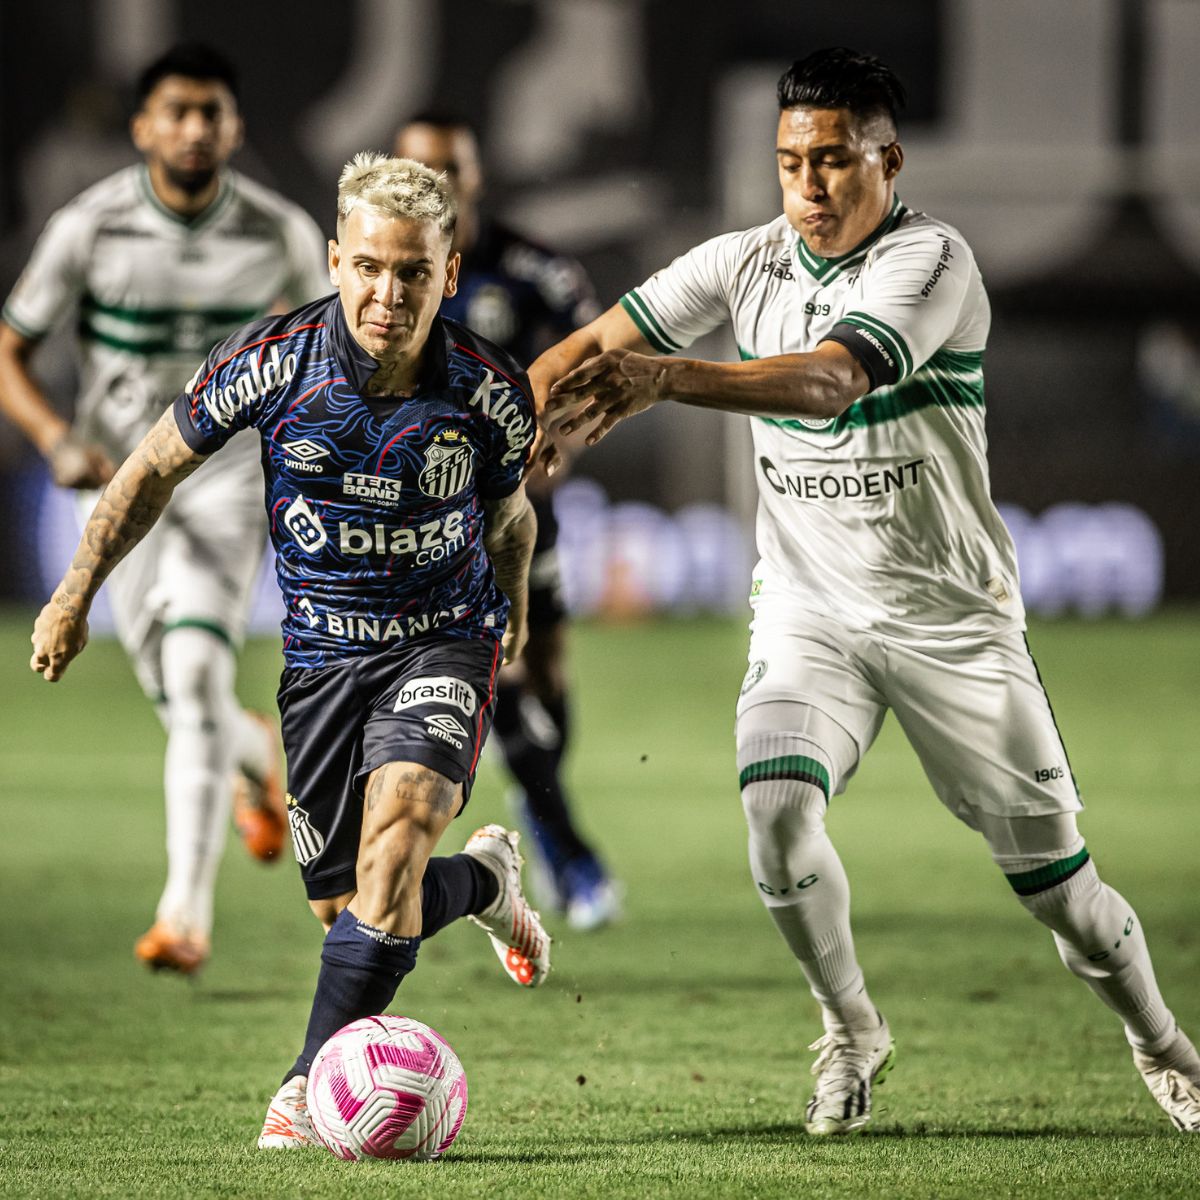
[(429, 701)]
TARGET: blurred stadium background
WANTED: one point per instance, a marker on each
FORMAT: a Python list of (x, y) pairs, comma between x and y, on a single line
[(1059, 137)]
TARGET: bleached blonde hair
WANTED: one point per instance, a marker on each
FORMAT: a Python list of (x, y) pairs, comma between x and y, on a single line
[(400, 187)]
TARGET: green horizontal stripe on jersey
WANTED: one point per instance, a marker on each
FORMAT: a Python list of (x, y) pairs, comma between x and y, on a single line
[(646, 321), (893, 340), (825, 268), (146, 348), (156, 344), (787, 766), (159, 316), (950, 379), (1029, 883)]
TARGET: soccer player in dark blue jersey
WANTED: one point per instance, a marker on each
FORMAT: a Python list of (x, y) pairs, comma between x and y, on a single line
[(524, 297), (393, 446)]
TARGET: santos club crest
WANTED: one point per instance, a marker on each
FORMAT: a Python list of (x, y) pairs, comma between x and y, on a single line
[(448, 463)]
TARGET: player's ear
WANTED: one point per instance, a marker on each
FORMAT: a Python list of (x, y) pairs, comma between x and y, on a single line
[(139, 130), (450, 287), (335, 260), (893, 160)]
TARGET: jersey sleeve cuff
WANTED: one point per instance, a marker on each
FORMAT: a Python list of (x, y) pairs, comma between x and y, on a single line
[(190, 434), (648, 324), (883, 353), (26, 330)]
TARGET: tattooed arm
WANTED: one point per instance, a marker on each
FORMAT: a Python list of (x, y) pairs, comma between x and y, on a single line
[(127, 509), (509, 531)]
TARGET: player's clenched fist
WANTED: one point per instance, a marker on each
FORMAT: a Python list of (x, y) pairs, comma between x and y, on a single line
[(59, 634)]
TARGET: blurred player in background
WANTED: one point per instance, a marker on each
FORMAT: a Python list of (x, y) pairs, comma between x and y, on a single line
[(403, 559), (523, 297), (886, 577), (162, 260)]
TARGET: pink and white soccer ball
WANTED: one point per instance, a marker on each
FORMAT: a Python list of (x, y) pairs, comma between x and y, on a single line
[(387, 1087)]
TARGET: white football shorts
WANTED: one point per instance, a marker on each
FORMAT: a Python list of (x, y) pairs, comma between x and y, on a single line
[(197, 567), (976, 714)]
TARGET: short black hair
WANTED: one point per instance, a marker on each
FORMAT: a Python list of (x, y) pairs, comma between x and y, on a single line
[(842, 78), (192, 60)]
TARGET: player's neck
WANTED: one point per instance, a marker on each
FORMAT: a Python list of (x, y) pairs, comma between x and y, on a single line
[(180, 201), (397, 377)]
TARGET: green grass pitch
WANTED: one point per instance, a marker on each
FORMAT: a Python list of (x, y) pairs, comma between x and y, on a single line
[(664, 1057)]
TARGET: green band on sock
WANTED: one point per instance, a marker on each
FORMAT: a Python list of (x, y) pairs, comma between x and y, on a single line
[(212, 627), (1029, 883), (787, 766)]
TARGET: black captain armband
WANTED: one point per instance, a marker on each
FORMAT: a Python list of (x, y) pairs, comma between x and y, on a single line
[(880, 350)]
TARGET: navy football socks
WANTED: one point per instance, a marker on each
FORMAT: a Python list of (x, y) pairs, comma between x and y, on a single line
[(454, 887), (361, 968)]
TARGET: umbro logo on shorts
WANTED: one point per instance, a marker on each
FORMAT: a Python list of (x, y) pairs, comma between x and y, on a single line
[(447, 723), (436, 689), (446, 728)]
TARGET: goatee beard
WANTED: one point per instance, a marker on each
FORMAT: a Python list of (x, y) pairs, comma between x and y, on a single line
[(191, 182)]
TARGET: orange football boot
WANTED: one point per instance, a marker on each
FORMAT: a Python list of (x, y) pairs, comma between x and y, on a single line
[(162, 949), (259, 807)]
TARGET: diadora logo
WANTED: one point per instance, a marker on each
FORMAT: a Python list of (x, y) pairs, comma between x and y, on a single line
[(780, 268), (445, 728), (304, 525), (429, 542), (495, 400), (379, 488), (224, 403), (448, 463), (436, 689), (300, 455)]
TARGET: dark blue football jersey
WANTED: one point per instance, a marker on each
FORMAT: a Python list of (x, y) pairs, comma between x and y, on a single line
[(376, 511), (518, 294)]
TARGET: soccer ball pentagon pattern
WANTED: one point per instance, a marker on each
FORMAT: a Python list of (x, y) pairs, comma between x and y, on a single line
[(387, 1087)]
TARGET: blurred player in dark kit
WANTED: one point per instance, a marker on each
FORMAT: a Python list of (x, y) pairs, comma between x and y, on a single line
[(524, 297)]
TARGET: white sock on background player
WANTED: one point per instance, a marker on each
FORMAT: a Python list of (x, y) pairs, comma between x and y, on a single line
[(785, 778), (198, 674)]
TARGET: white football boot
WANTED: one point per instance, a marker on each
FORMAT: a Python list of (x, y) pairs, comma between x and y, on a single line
[(515, 929), (287, 1126), (846, 1068), (1173, 1077)]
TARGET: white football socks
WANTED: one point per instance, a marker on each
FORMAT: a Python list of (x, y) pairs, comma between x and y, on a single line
[(198, 674)]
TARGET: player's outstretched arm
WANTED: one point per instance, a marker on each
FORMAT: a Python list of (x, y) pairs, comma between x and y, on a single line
[(510, 529), (618, 384), (72, 462), (611, 331), (124, 514)]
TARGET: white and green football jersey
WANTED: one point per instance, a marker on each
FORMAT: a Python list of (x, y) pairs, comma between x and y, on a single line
[(154, 292), (882, 517)]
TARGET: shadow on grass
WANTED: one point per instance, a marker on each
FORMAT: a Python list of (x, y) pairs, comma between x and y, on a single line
[(551, 1156), (784, 1132)]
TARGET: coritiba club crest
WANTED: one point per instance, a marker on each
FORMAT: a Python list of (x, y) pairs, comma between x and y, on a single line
[(448, 463)]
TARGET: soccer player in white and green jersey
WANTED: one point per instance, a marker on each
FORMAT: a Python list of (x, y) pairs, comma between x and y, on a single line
[(886, 578), (162, 260)]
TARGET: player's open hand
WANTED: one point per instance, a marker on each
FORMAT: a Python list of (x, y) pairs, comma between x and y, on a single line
[(59, 634), (605, 390), (78, 464)]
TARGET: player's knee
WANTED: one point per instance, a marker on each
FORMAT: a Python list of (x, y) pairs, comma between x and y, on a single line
[(198, 673), (326, 910), (784, 779)]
